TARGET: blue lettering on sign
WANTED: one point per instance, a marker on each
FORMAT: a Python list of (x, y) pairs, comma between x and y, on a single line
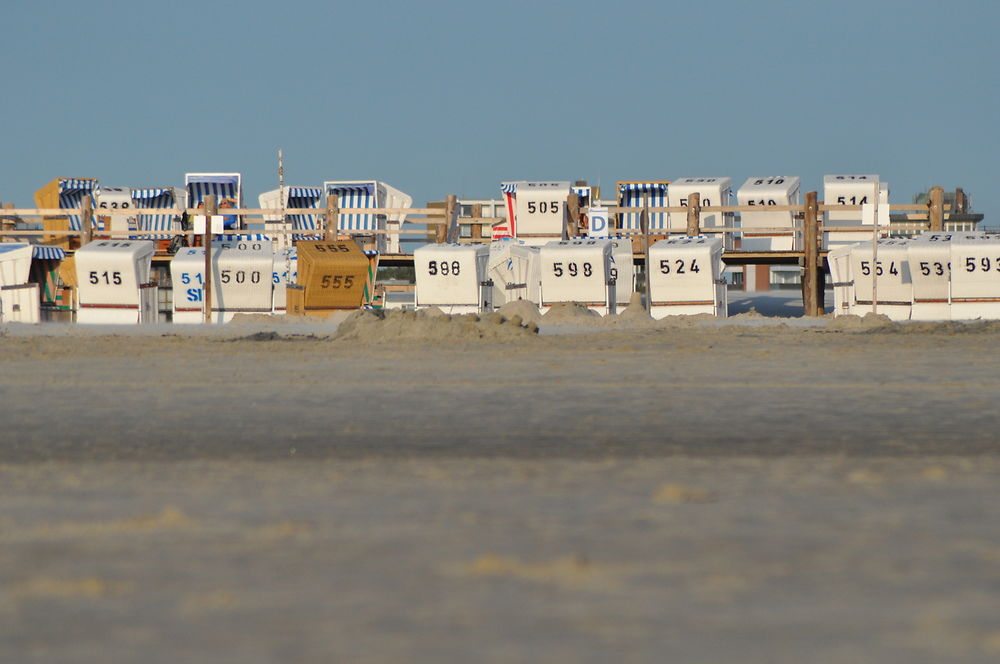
[(194, 295), (598, 224)]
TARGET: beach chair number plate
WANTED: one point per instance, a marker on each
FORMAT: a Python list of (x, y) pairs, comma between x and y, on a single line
[(572, 269), (543, 207), (444, 268), (679, 266), (239, 276), (107, 278), (336, 281)]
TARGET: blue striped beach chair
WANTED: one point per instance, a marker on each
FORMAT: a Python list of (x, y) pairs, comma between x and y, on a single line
[(65, 194), (225, 186), (369, 194), (46, 253), (72, 191), (164, 197), (241, 237), (631, 194), (304, 197), (584, 193), (356, 195), (292, 197)]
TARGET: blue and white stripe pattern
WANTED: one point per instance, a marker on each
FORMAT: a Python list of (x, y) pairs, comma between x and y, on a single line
[(508, 187), (583, 193), (243, 237), (360, 195), (222, 186), (71, 193), (630, 194), (45, 253), (154, 198), (304, 197), (197, 191)]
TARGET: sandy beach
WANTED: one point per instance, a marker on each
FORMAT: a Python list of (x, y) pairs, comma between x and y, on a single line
[(435, 489)]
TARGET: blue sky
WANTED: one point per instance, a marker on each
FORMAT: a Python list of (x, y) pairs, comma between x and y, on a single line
[(453, 97)]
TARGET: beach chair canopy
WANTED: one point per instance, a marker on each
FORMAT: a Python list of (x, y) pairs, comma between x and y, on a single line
[(243, 237), (631, 194), (164, 197), (44, 253), (71, 194), (222, 185), (303, 197), (356, 195), (583, 193)]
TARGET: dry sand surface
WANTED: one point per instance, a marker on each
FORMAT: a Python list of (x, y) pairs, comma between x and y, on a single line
[(549, 488)]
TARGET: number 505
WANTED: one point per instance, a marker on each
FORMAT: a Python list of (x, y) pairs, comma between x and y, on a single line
[(543, 207)]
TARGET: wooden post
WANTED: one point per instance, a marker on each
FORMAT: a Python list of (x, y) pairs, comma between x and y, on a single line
[(810, 266), (571, 225), (86, 221), (936, 209), (961, 205), (7, 223), (451, 216), (211, 209), (330, 219), (694, 214), (441, 230), (476, 229), (644, 227)]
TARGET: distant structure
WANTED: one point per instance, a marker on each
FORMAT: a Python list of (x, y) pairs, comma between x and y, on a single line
[(958, 214)]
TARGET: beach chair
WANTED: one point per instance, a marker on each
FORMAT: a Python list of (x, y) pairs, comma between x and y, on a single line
[(577, 270), (227, 188), (161, 197), (332, 275), (633, 193), (65, 194), (850, 190), (451, 277), (536, 211), (763, 192), (712, 192), (19, 299), (686, 277), (108, 199), (293, 197), (370, 194), (891, 269), (47, 272), (516, 272), (114, 282)]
